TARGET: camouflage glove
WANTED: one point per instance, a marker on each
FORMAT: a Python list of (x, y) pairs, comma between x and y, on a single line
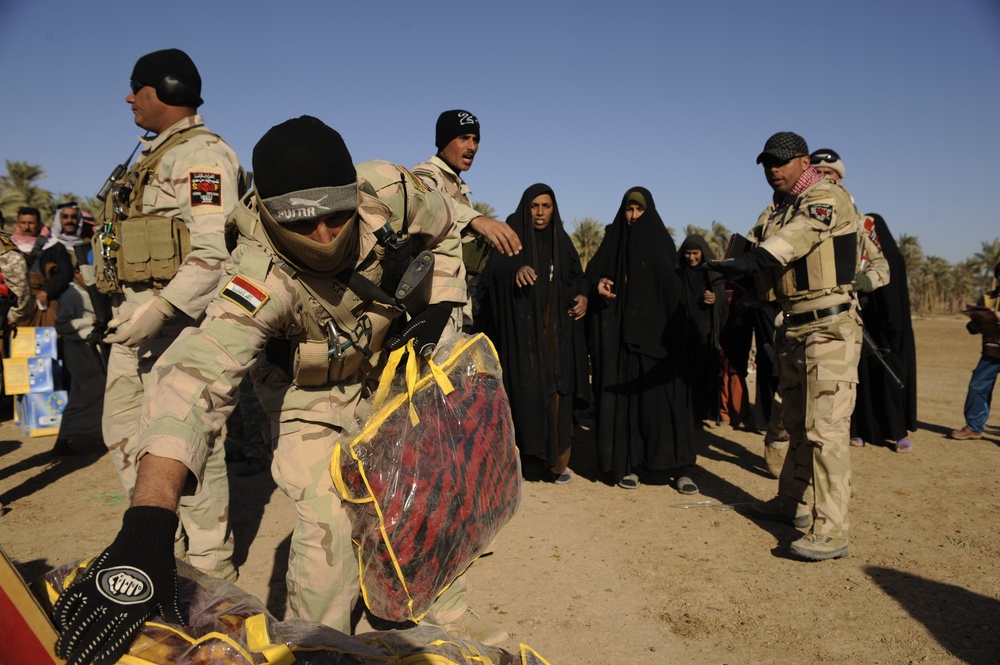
[(100, 613), (144, 323), (425, 329), (862, 283)]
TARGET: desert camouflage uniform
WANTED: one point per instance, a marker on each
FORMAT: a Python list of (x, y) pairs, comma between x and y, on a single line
[(169, 193), (15, 276), (817, 360), (265, 301), (436, 174)]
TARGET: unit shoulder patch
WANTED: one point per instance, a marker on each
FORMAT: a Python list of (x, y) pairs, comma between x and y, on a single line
[(244, 293), (206, 187), (822, 212)]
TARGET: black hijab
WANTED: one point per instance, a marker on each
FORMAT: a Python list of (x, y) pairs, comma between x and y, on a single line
[(514, 317), (702, 327), (648, 299)]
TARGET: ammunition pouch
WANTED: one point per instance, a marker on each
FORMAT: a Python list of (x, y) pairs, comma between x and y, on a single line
[(475, 252)]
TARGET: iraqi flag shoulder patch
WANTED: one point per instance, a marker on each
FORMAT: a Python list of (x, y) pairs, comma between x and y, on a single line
[(245, 294)]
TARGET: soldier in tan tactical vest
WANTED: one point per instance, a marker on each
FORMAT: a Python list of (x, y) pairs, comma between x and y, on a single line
[(298, 308), (161, 256), (456, 136), (806, 260)]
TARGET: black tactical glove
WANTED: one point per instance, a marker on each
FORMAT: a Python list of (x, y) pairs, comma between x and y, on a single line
[(100, 613), (733, 270), (425, 329)]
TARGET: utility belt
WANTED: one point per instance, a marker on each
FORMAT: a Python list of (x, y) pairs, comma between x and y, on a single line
[(144, 249), (802, 318)]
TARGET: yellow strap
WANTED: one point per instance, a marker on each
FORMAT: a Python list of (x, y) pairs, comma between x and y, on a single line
[(259, 642), (412, 374), (387, 376), (440, 377)]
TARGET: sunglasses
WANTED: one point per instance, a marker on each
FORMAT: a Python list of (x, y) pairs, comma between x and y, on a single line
[(770, 162), (136, 86), (828, 157)]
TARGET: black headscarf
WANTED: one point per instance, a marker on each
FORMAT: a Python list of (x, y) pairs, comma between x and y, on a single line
[(645, 305), (702, 327), (514, 317)]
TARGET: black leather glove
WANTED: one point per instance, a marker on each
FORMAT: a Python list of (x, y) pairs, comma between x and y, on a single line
[(733, 270), (99, 615), (424, 329)]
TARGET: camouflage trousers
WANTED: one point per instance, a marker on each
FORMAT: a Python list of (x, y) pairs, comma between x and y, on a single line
[(818, 375), (204, 536), (322, 579)]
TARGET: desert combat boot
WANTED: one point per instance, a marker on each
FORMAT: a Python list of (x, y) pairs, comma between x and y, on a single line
[(815, 547), (780, 509)]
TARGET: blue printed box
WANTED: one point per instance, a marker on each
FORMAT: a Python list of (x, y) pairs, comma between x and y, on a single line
[(40, 414), (31, 375), (34, 343)]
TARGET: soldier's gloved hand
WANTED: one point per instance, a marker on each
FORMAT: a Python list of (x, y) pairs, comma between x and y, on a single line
[(144, 323), (100, 613), (425, 329), (862, 283), (733, 270)]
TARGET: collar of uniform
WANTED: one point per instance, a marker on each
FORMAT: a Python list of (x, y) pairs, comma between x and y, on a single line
[(149, 145), (450, 173)]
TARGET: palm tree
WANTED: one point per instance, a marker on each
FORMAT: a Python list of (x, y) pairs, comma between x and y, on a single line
[(587, 235), (18, 188), (986, 260), (485, 209)]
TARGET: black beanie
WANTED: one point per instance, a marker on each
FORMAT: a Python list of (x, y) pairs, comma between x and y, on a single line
[(152, 67), (454, 123), (301, 153)]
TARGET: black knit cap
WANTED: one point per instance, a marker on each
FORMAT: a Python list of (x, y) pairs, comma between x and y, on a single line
[(152, 67), (454, 123), (301, 153), (784, 146)]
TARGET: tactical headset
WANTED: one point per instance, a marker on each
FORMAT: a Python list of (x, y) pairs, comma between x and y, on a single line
[(173, 91)]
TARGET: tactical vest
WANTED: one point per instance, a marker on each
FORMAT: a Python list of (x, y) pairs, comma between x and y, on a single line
[(342, 332), (830, 264), (142, 248)]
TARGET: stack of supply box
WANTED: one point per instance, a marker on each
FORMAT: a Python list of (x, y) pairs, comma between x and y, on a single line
[(32, 372)]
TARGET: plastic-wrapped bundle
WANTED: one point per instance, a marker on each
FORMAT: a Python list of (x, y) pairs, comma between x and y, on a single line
[(432, 477), (228, 626)]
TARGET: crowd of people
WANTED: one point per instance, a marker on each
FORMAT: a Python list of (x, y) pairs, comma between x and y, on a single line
[(223, 280)]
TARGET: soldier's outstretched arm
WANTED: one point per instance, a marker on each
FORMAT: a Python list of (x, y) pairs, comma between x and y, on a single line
[(432, 223)]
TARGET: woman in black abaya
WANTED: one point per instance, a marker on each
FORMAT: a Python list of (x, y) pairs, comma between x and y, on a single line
[(533, 309), (643, 409), (884, 412)]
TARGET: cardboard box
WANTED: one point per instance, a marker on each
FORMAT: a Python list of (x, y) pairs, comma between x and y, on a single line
[(34, 343), (26, 633), (31, 375), (40, 414)]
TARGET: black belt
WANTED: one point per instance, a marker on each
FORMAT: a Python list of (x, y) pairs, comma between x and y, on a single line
[(801, 318)]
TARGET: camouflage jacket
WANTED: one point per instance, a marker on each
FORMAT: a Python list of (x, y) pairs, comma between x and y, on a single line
[(15, 276), (177, 189), (819, 238), (436, 174), (195, 382)]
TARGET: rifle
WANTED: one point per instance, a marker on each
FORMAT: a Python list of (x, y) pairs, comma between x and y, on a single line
[(880, 355)]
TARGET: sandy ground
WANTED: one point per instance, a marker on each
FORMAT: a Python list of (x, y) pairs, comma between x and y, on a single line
[(588, 573)]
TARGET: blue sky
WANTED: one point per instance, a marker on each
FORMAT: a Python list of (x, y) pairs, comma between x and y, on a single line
[(588, 97)]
